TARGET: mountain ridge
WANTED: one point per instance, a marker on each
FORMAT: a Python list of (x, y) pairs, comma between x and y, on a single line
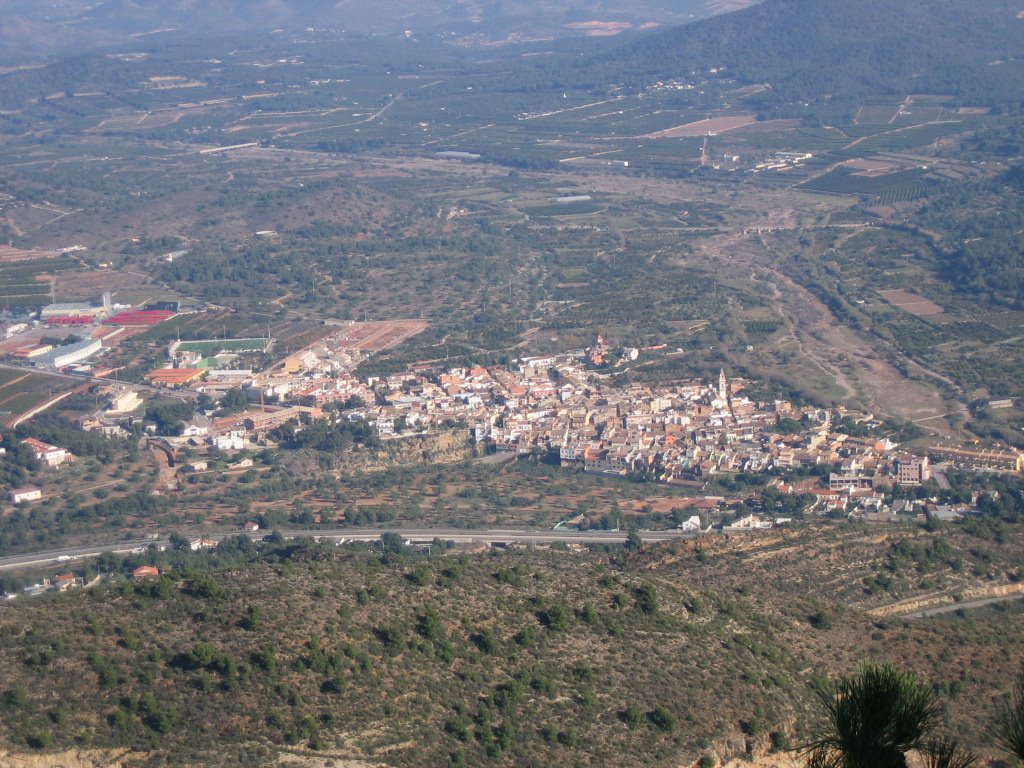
[(819, 50)]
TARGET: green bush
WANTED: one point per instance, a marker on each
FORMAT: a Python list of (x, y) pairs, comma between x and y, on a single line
[(663, 720), (632, 716)]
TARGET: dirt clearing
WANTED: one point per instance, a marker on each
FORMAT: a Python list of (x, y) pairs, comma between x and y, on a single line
[(911, 302)]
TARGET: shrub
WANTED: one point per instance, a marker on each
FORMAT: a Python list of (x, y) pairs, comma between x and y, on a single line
[(555, 617), (663, 720), (647, 598), (632, 716), (820, 620)]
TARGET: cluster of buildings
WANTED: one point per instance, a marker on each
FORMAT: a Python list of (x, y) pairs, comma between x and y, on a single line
[(59, 357), (663, 86), (49, 456), (100, 322), (686, 433), (68, 581), (60, 583), (106, 311), (243, 429), (780, 160)]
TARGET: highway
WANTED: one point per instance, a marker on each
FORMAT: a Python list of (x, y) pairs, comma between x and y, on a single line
[(413, 535)]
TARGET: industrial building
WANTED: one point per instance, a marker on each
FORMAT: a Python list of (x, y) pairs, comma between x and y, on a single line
[(78, 309), (68, 354)]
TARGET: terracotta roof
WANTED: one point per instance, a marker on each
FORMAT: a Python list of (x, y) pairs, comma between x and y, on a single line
[(174, 375), (39, 445)]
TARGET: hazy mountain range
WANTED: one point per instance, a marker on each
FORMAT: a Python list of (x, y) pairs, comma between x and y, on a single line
[(48, 27)]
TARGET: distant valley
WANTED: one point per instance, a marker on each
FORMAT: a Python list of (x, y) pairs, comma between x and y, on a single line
[(54, 29), (492, 301)]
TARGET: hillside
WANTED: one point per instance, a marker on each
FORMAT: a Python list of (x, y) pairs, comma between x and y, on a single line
[(524, 658), (810, 50)]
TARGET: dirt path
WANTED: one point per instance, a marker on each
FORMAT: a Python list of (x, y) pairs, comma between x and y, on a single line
[(944, 602), (962, 606), (40, 408), (279, 302), (168, 475), (852, 361), (832, 372), (368, 119), (855, 142)]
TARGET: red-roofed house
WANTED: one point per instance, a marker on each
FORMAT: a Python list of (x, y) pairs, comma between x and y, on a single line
[(65, 582), (829, 500), (145, 572)]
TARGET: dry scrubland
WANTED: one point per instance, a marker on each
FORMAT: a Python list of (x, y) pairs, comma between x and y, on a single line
[(521, 658)]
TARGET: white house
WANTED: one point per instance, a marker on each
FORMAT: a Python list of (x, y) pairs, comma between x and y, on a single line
[(196, 427), (230, 441), (124, 402), (693, 524), (49, 455), (23, 495), (748, 523)]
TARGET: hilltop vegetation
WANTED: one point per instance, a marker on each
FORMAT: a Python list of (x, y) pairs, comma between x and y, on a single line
[(523, 658), (820, 57)]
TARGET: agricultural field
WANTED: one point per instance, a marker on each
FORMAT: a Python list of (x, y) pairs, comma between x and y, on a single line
[(11, 255), (916, 135), (129, 287), (707, 127), (876, 114), (30, 283), (578, 208), (298, 334), (911, 302), (1006, 321), (21, 391), (898, 186), (376, 336)]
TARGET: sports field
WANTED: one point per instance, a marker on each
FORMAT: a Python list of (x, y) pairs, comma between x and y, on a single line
[(209, 347)]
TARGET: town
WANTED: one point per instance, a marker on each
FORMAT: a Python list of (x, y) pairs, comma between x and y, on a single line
[(564, 407)]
